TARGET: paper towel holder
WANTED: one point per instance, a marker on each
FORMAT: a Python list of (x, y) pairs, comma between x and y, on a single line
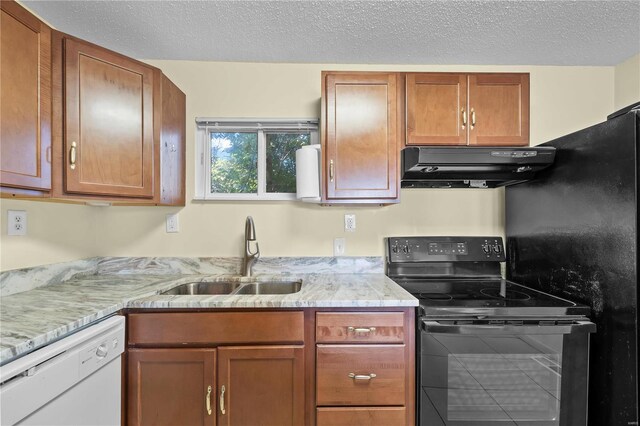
[(308, 187)]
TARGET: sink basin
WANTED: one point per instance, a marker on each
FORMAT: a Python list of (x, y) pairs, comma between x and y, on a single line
[(236, 287), (270, 287), (204, 287)]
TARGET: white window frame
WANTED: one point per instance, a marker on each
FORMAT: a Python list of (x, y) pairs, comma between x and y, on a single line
[(204, 127)]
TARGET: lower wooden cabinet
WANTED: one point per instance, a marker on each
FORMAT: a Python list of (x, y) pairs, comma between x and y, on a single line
[(263, 385), (360, 375), (171, 387), (254, 385), (370, 416), (365, 368), (275, 367)]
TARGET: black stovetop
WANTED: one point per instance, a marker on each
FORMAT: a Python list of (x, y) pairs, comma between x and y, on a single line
[(485, 297), (460, 276)]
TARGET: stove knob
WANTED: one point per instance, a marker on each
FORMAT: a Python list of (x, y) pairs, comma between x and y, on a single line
[(486, 248), (405, 249), (497, 249), (394, 249)]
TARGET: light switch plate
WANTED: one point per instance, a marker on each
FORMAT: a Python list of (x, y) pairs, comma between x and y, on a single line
[(339, 246), (172, 223), (16, 222)]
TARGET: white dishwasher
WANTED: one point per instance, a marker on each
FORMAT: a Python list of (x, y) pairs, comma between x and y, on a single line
[(74, 381)]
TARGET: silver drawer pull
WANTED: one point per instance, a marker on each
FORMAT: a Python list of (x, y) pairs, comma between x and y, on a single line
[(361, 329), (355, 376)]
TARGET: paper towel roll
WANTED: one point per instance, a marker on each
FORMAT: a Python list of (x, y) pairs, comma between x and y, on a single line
[(308, 173)]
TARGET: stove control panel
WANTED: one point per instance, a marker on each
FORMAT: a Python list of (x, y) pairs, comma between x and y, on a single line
[(445, 249)]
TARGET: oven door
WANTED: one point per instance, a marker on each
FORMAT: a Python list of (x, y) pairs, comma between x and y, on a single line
[(476, 373)]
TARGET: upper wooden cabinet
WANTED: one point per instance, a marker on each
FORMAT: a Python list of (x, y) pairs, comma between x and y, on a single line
[(25, 100), (171, 173), (436, 105), (80, 122), (467, 109), (108, 122), (361, 130)]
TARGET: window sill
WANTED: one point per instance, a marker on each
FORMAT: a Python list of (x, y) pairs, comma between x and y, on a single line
[(247, 197)]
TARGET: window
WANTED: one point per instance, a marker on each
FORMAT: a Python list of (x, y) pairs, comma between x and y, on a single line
[(249, 159)]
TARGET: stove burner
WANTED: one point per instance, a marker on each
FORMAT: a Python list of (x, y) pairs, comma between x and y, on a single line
[(438, 297), (508, 295)]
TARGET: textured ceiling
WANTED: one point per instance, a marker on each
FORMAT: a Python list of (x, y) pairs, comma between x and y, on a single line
[(601, 32)]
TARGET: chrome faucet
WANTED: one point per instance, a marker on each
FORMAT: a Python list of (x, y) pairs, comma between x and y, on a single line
[(249, 257)]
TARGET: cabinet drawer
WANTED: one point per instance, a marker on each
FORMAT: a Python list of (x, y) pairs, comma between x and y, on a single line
[(367, 327), (206, 328), (365, 416), (342, 372)]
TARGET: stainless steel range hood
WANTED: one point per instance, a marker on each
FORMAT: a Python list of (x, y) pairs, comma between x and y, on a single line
[(472, 167)]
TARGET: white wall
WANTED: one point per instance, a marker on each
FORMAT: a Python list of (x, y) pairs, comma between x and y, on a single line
[(563, 99)]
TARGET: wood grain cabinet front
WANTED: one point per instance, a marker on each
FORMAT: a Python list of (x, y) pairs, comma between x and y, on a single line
[(205, 368), (369, 416), (360, 327), (171, 387), (360, 375), (83, 123), (108, 122), (25, 102), (467, 109), (365, 367), (361, 133), (262, 385)]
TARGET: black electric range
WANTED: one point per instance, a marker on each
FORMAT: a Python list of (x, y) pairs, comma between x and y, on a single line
[(489, 351)]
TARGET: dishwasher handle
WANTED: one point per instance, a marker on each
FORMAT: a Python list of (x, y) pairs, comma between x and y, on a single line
[(580, 326)]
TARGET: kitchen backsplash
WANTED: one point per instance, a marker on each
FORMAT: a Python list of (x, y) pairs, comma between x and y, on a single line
[(19, 280)]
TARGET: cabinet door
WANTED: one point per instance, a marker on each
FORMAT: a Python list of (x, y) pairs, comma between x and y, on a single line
[(25, 100), (499, 109), (108, 123), (361, 136), (171, 387), (437, 109), (263, 385)]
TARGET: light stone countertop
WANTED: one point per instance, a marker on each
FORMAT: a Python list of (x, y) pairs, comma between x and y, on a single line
[(35, 318)]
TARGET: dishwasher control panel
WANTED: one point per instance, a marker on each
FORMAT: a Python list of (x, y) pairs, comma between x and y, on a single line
[(100, 351)]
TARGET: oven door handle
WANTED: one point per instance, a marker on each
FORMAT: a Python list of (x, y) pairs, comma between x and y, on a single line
[(432, 326)]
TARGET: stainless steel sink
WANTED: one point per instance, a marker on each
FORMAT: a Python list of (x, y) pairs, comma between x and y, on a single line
[(205, 287), (270, 287), (236, 287)]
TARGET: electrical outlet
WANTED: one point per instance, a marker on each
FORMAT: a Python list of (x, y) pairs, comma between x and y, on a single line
[(172, 223), (16, 222), (350, 222), (339, 245)]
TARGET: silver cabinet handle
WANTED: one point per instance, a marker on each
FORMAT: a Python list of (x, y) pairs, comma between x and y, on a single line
[(473, 118), (222, 390), (361, 329), (464, 118), (367, 377), (207, 400), (331, 170)]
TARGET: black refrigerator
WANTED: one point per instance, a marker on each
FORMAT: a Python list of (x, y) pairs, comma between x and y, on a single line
[(573, 232)]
